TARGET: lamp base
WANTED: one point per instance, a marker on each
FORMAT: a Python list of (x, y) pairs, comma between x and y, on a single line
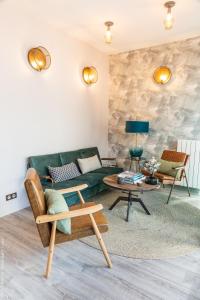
[(136, 152), (151, 180)]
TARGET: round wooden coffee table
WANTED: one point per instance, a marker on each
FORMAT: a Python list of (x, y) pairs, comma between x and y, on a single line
[(130, 189)]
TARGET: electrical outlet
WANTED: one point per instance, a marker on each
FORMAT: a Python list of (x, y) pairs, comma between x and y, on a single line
[(11, 196), (14, 195)]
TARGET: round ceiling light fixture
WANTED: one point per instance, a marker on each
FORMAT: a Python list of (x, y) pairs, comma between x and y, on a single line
[(39, 58), (162, 75), (108, 33), (168, 22), (90, 75)]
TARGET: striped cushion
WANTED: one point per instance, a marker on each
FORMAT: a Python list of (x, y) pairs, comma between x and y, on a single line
[(63, 173)]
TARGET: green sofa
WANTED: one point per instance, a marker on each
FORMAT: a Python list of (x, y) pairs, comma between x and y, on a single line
[(93, 179)]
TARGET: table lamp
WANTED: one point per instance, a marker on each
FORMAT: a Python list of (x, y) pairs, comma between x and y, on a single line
[(137, 127)]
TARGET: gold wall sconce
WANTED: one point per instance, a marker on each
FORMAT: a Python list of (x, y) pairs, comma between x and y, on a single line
[(162, 75), (90, 75), (39, 58)]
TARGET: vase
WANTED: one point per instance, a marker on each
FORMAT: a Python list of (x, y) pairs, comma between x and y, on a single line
[(136, 152), (151, 180)]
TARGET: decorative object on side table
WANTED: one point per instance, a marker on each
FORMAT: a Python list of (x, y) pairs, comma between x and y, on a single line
[(151, 166), (138, 162), (137, 127)]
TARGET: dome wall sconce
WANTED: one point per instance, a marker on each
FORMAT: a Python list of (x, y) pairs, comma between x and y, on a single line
[(39, 58), (90, 75), (162, 75)]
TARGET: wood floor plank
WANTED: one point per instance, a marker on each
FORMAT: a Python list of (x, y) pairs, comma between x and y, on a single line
[(80, 272)]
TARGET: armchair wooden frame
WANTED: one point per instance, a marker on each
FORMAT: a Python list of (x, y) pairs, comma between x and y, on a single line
[(183, 175), (71, 214)]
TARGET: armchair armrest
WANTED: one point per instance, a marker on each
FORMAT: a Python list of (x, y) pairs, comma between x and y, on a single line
[(46, 177), (69, 214), (73, 189), (179, 168)]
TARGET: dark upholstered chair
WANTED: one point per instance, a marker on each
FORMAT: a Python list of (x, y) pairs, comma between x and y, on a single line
[(173, 156), (86, 218)]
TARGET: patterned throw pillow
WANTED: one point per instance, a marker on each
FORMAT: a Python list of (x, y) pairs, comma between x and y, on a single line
[(63, 173)]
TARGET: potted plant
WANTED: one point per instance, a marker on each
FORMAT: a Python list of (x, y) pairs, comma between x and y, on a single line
[(151, 167)]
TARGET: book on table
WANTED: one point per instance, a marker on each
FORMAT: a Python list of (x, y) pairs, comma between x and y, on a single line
[(130, 177)]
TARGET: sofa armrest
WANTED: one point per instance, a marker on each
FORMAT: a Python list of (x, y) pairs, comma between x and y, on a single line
[(69, 214), (111, 161), (179, 168)]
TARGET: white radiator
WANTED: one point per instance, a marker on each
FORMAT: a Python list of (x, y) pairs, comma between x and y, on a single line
[(192, 148)]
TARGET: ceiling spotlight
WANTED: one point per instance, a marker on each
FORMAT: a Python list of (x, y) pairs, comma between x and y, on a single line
[(108, 33), (169, 19)]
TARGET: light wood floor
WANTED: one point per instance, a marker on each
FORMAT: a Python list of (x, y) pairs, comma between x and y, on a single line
[(79, 271)]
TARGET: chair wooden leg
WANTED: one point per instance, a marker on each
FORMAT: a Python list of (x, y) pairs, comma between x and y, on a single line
[(101, 242), (51, 249), (81, 197), (98, 235), (171, 190)]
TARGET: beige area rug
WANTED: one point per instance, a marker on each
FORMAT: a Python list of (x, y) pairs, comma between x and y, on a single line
[(171, 230)]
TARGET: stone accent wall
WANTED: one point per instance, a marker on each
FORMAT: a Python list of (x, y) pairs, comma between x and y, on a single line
[(173, 110)]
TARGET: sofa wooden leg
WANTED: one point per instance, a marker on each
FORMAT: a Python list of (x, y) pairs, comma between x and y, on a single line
[(101, 242), (51, 249)]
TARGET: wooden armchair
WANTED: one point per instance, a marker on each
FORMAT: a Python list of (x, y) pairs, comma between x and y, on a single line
[(86, 218), (173, 156)]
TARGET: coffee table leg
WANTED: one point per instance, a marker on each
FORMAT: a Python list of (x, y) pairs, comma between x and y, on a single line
[(129, 204), (128, 208), (144, 207), (114, 203)]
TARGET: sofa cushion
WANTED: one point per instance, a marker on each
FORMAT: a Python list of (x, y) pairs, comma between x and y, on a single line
[(70, 156), (88, 152), (108, 170), (89, 179), (64, 172), (41, 163), (166, 167), (89, 164)]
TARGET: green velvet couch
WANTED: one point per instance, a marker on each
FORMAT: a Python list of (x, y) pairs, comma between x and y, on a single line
[(93, 179)]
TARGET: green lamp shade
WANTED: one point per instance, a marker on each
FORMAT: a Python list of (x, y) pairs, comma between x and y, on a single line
[(137, 126)]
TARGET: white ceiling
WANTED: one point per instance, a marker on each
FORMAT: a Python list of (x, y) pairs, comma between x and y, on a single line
[(138, 23)]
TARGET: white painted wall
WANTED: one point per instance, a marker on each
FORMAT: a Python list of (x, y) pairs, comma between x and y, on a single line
[(45, 112)]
